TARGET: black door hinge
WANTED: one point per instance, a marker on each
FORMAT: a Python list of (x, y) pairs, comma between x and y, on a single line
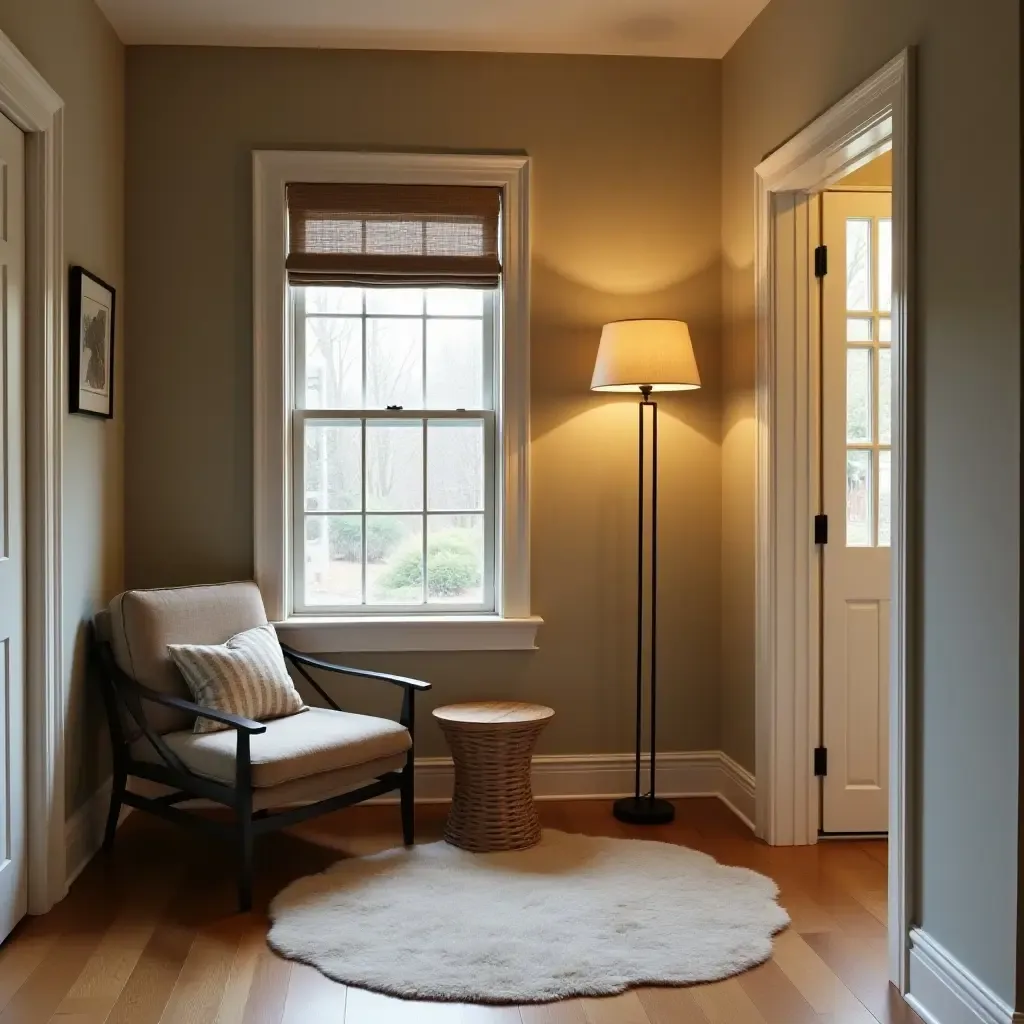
[(821, 761), (821, 529), (821, 261)]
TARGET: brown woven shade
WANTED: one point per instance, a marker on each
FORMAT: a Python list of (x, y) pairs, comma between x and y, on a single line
[(401, 235)]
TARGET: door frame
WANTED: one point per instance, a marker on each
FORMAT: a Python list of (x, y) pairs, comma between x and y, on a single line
[(28, 101), (874, 117)]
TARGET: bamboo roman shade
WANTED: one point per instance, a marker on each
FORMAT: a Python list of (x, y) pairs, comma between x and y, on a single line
[(399, 235)]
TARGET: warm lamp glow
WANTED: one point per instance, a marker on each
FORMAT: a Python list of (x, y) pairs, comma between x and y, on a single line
[(638, 354)]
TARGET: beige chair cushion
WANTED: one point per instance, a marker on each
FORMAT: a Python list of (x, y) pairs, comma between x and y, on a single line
[(314, 788), (309, 790), (297, 747), (102, 623), (144, 622)]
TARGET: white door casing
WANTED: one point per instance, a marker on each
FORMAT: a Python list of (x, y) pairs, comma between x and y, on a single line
[(875, 116), (29, 102), (856, 462), (13, 764)]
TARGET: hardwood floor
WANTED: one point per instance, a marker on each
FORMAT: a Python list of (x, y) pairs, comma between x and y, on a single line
[(150, 935)]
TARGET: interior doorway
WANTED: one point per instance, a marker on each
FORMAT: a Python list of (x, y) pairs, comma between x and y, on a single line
[(854, 268), (792, 190)]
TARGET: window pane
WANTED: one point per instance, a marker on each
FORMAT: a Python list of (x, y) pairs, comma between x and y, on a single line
[(885, 329), (859, 328), (334, 362), (455, 302), (394, 559), (455, 466), (334, 560), (333, 474), (394, 466), (455, 559), (858, 499), (394, 363), (858, 263), (885, 499), (885, 396), (455, 369), (858, 394), (395, 301), (320, 299), (885, 264)]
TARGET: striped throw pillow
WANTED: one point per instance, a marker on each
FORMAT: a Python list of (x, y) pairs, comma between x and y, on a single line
[(246, 676)]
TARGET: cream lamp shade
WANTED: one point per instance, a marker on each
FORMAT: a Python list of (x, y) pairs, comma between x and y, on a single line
[(638, 354)]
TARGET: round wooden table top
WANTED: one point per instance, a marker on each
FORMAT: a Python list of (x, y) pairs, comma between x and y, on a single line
[(493, 712)]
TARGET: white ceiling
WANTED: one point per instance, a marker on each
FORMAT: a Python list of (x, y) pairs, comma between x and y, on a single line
[(666, 28)]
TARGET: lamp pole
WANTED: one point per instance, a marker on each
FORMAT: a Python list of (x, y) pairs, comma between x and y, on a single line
[(646, 809), (659, 352)]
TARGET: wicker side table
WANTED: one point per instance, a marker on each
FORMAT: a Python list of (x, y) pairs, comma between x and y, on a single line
[(491, 744)]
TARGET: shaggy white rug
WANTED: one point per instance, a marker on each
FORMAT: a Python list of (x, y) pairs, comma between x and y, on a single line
[(575, 915)]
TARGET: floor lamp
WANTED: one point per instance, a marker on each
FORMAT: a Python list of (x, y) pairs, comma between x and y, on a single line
[(644, 356)]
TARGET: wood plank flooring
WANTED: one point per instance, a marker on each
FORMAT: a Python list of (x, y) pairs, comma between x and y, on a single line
[(149, 935)]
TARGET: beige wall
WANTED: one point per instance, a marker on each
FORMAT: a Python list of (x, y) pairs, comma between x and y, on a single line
[(876, 173), (625, 223), (73, 47), (799, 57)]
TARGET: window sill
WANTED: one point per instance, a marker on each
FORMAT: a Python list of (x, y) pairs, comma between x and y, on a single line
[(315, 635)]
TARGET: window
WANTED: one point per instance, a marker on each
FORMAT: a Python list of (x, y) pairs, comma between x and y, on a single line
[(391, 408), (394, 472)]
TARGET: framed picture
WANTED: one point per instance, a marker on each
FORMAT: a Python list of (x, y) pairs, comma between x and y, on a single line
[(91, 315)]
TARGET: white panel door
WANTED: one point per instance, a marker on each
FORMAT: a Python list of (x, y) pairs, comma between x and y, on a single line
[(855, 472), (13, 769)]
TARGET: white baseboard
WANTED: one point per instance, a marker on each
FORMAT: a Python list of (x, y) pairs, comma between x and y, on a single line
[(607, 776), (83, 831), (737, 792), (555, 777), (943, 991)]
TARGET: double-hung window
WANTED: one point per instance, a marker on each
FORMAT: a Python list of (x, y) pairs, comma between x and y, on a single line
[(401, 501)]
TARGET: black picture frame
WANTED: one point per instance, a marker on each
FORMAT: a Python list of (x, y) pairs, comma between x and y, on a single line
[(91, 332)]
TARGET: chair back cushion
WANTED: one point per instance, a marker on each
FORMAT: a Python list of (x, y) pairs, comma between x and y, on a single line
[(144, 622), (246, 676)]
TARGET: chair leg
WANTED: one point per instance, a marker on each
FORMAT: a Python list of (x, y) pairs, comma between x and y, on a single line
[(243, 810), (245, 866), (408, 808), (116, 796)]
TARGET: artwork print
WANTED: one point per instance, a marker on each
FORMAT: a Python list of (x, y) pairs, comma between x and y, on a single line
[(95, 340), (91, 306)]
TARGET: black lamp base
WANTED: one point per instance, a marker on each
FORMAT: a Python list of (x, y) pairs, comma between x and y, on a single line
[(643, 810)]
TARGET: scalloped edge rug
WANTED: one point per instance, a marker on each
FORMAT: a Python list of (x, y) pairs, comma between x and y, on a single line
[(573, 916)]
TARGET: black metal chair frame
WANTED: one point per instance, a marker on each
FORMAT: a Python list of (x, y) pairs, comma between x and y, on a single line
[(122, 693)]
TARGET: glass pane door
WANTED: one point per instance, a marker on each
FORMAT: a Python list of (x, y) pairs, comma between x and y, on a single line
[(868, 268)]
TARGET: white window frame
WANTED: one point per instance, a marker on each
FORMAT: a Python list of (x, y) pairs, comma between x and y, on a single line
[(511, 626)]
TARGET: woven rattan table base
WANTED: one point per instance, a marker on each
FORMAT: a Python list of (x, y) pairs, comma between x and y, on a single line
[(492, 808)]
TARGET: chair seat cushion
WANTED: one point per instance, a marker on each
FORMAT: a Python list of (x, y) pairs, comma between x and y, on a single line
[(318, 740)]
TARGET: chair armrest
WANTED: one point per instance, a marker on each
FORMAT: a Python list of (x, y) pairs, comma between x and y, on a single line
[(246, 725), (304, 659)]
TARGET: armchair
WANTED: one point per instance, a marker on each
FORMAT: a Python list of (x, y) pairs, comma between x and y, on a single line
[(272, 774)]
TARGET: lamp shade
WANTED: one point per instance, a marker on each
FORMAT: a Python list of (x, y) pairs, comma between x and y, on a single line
[(636, 354)]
